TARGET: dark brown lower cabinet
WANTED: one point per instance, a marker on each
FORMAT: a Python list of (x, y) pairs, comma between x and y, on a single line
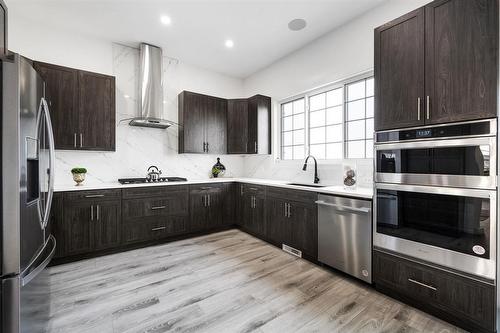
[(254, 213), (466, 302), (206, 207), (107, 224)]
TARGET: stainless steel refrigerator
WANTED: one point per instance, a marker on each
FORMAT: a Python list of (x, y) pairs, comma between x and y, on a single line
[(27, 177)]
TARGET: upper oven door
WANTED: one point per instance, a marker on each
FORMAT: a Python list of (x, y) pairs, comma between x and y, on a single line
[(464, 162)]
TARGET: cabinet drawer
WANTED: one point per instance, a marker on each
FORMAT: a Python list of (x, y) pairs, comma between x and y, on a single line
[(144, 192), (155, 207), (152, 230), (252, 189), (93, 195), (207, 187), (292, 195), (469, 302)]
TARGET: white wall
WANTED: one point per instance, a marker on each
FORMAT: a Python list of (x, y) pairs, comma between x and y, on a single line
[(136, 148), (342, 53)]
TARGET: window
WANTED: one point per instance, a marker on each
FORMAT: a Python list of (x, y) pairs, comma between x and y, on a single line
[(359, 119), (293, 126), (331, 123)]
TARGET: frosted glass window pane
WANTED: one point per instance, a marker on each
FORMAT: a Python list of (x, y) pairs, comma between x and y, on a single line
[(287, 109), (298, 152), (369, 128), (356, 90), (299, 106), (369, 107), (369, 148), (317, 135), (287, 139), (317, 102), (334, 115), (317, 118), (287, 153), (334, 133), (298, 137), (287, 124), (298, 121), (356, 149), (318, 151), (334, 151), (334, 97), (356, 110), (356, 130), (369, 87)]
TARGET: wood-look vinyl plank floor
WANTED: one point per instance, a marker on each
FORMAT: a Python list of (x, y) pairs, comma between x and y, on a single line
[(223, 282)]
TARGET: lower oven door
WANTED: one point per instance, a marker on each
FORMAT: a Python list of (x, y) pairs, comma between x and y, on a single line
[(452, 227)]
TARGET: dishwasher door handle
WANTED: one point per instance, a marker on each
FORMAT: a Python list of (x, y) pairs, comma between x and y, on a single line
[(365, 210)]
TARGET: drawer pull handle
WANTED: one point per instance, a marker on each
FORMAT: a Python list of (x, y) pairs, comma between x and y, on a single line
[(94, 196), (158, 207), (206, 188), (158, 228), (253, 188), (423, 284)]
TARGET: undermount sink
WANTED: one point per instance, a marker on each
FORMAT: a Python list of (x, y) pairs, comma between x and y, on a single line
[(308, 185)]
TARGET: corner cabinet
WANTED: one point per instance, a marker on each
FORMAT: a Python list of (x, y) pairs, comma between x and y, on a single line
[(437, 64), (82, 107), (212, 125), (202, 121)]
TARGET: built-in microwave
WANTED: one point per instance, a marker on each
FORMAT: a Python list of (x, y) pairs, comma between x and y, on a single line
[(453, 155), (451, 227)]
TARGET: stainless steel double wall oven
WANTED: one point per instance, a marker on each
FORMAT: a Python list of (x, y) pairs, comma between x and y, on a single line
[(435, 195)]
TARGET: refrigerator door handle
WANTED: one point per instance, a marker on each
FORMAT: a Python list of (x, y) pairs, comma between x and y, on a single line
[(48, 123), (32, 273)]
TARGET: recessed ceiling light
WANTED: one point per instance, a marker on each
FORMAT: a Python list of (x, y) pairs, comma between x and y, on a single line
[(229, 43), (297, 24), (166, 20)]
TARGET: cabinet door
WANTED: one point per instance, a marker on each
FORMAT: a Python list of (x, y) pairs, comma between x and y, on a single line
[(230, 203), (78, 228), (304, 235), (278, 227), (198, 210), (259, 215), (259, 125), (247, 211), (237, 126), (96, 103), (399, 72), (216, 125), (215, 205), (107, 224), (461, 60), (61, 91), (192, 119)]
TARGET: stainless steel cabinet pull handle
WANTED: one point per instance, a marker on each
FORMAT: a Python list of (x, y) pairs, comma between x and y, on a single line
[(81, 140), (255, 146), (158, 207), (344, 208), (158, 228), (74, 143), (92, 213), (94, 196), (97, 212), (423, 284), (418, 108), (253, 188), (428, 107), (289, 210), (241, 189), (208, 200), (206, 188)]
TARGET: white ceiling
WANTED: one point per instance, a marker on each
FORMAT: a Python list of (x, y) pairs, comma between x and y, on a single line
[(199, 28)]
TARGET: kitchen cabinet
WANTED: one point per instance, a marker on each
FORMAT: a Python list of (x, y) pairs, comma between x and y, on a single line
[(253, 206), (203, 124), (449, 49), (205, 207), (82, 107), (249, 125), (466, 302), (230, 203), (4, 47)]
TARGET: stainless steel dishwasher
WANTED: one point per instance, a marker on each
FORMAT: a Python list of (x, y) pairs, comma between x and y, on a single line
[(345, 235)]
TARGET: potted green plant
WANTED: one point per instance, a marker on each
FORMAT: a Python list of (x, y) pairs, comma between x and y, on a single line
[(78, 175)]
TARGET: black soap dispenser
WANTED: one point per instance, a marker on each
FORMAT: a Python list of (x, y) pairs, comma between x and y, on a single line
[(218, 169)]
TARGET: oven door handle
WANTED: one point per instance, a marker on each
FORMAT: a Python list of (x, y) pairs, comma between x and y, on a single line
[(455, 191), (439, 143)]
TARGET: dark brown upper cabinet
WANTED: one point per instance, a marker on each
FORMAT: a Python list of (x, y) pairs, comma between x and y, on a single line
[(218, 126), (202, 121), (437, 64), (82, 107), (4, 48), (249, 125)]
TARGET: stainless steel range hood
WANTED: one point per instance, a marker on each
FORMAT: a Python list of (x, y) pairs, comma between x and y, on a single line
[(151, 88)]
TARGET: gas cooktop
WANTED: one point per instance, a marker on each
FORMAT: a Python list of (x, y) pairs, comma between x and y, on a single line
[(147, 181)]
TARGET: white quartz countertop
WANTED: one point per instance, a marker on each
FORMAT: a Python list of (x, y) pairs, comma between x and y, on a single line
[(358, 192)]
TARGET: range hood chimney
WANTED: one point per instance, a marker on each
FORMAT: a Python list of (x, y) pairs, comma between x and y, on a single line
[(151, 88)]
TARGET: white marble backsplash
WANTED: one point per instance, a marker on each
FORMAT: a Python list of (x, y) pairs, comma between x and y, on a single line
[(137, 148)]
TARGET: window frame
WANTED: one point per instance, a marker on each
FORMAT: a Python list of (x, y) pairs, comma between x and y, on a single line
[(342, 84)]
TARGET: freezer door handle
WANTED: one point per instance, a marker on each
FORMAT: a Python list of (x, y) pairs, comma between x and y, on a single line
[(344, 208), (45, 109), (30, 274)]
